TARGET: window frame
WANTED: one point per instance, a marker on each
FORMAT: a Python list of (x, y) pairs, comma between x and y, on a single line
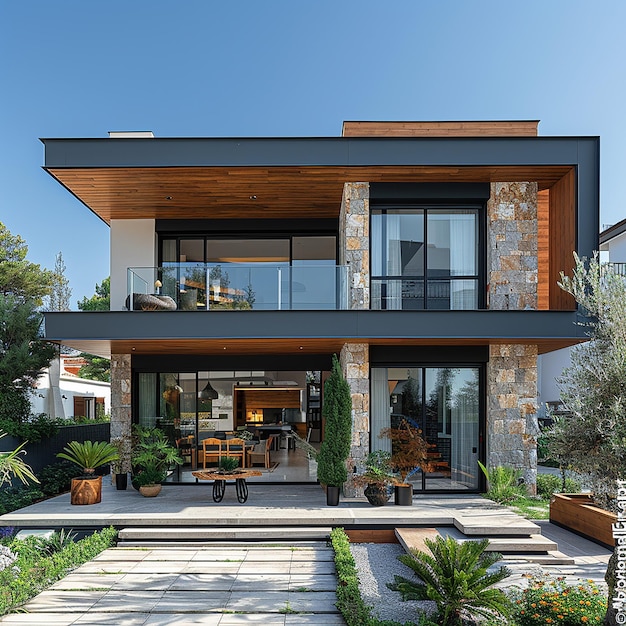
[(477, 206)]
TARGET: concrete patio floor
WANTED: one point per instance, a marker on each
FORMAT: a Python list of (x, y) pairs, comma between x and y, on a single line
[(267, 505)]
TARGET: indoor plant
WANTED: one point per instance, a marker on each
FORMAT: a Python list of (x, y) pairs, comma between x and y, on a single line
[(88, 455), (151, 457), (409, 450), (335, 449), (377, 477)]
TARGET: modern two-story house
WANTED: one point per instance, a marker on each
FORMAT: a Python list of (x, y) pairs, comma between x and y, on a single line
[(425, 255)]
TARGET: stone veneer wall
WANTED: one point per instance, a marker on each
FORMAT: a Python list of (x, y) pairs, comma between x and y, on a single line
[(121, 418), (355, 364), (512, 249), (512, 372), (354, 242), (512, 409)]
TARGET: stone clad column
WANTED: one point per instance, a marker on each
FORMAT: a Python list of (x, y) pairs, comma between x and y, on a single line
[(121, 417), (512, 373), (354, 251), (355, 364), (354, 242)]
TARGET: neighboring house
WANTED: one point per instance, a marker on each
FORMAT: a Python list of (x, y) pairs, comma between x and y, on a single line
[(612, 248), (424, 254), (61, 393)]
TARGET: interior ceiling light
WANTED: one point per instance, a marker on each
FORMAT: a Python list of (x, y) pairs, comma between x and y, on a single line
[(252, 197), (169, 198), (208, 393)]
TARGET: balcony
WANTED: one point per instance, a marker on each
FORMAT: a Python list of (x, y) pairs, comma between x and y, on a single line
[(234, 286)]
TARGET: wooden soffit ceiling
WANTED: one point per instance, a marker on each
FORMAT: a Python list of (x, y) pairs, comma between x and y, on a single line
[(228, 347), (257, 192)]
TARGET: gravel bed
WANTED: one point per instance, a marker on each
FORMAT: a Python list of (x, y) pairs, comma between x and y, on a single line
[(377, 564)]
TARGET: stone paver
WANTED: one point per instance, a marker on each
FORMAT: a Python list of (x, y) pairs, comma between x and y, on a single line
[(212, 586)]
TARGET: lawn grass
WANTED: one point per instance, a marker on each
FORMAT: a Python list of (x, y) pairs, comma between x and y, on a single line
[(531, 508)]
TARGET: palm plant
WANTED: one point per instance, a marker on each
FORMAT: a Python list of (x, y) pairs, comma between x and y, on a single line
[(455, 576), (89, 455), (12, 465)]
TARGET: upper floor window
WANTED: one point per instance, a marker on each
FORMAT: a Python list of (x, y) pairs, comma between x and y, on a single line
[(426, 257)]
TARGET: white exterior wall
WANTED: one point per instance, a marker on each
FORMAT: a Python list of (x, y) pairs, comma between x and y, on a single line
[(616, 248), (69, 386), (551, 366), (133, 244)]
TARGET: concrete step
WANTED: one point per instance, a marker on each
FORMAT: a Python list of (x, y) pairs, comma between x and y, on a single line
[(503, 524), (201, 535), (508, 545), (553, 557)]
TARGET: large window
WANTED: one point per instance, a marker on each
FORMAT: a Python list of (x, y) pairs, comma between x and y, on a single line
[(426, 257), (444, 402)]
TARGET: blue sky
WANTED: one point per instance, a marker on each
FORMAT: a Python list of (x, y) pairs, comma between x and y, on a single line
[(72, 68)]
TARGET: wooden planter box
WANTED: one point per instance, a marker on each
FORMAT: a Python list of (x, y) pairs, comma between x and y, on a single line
[(576, 512)]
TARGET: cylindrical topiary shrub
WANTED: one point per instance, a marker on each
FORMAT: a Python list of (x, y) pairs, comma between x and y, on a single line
[(337, 411)]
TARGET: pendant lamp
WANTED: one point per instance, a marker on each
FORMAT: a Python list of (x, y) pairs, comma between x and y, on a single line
[(208, 393)]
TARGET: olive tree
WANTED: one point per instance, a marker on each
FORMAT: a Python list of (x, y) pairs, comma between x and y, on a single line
[(592, 438)]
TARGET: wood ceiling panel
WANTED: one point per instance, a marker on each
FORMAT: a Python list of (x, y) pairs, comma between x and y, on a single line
[(282, 346), (225, 193)]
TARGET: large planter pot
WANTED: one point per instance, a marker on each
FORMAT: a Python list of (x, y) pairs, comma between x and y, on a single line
[(150, 491), (86, 490), (377, 495), (403, 495), (121, 481), (576, 512), (332, 495)]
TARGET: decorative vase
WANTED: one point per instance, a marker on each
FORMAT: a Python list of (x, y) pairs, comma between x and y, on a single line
[(403, 495), (377, 494), (121, 481), (150, 491), (332, 495), (86, 490)]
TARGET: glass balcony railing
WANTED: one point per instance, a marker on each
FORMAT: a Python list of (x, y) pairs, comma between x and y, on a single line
[(232, 286), (414, 294)]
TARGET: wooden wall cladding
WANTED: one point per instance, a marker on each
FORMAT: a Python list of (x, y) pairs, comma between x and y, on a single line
[(516, 128), (562, 238), (543, 250), (271, 398)]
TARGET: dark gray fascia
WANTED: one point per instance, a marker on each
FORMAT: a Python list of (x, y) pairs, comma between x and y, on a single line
[(353, 325), (316, 151)]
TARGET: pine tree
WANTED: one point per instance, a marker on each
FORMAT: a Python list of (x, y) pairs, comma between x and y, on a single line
[(18, 277), (61, 294), (101, 300), (23, 355)]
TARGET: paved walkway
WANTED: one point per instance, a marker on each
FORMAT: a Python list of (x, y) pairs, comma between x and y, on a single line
[(226, 585)]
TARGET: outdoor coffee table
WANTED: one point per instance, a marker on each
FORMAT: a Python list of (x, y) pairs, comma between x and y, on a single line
[(219, 482)]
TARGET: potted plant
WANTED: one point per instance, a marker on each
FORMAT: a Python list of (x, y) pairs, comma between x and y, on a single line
[(409, 450), (377, 477), (151, 457), (119, 465), (335, 449), (88, 455)]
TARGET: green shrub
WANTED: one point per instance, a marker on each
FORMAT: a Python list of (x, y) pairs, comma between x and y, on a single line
[(57, 477), (35, 571), (37, 428), (349, 600), (13, 498), (549, 484), (504, 483), (457, 577), (552, 601)]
